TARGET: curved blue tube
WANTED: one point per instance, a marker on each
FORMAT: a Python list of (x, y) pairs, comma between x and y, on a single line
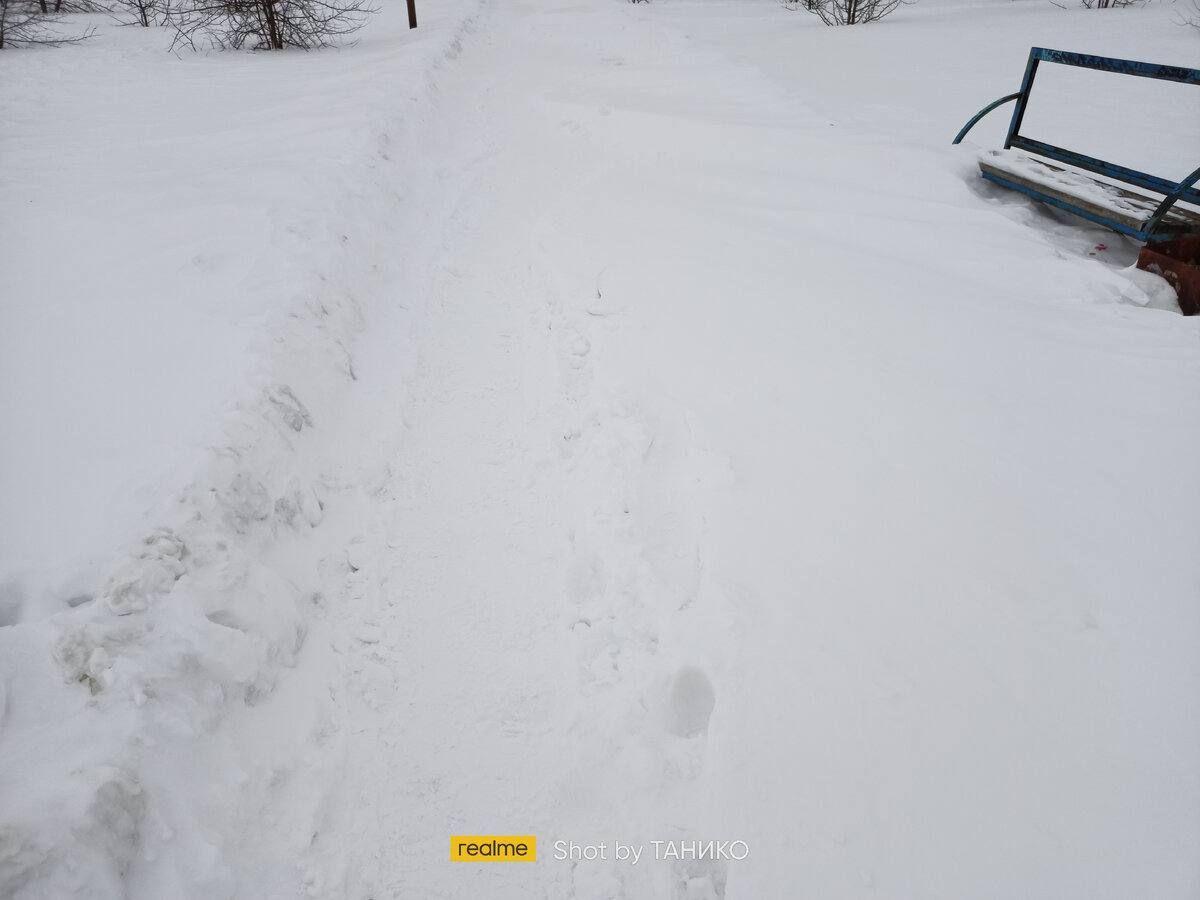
[(983, 112)]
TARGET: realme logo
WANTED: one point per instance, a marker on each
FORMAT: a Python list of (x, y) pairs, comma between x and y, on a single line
[(494, 846)]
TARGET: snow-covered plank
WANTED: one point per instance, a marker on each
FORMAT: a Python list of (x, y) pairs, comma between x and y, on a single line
[(1100, 198)]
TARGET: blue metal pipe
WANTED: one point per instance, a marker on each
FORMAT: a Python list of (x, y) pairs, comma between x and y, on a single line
[(983, 112), (1121, 66), (1170, 200), (1018, 115)]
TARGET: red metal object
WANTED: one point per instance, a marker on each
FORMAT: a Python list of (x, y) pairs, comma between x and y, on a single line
[(1177, 261)]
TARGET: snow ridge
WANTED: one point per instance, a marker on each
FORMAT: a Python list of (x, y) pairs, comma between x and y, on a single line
[(201, 618)]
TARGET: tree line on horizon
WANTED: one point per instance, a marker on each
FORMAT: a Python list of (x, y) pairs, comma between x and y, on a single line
[(313, 24)]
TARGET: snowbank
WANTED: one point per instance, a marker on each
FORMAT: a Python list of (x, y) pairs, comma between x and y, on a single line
[(189, 252)]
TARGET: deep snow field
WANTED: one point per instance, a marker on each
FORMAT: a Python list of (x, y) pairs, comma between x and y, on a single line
[(603, 422)]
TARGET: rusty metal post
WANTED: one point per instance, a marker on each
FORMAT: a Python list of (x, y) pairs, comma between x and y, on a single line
[(412, 14)]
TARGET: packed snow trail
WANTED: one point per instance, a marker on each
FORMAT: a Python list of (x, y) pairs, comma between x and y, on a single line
[(670, 451), (500, 677), (532, 579)]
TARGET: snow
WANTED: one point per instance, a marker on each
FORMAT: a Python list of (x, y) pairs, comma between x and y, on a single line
[(614, 423)]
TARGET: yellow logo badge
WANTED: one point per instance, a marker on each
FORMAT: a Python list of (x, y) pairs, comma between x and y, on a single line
[(506, 848)]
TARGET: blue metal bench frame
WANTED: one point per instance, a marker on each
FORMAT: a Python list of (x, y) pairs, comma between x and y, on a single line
[(1172, 191)]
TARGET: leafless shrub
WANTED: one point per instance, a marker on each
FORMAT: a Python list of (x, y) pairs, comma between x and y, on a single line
[(1192, 17), (853, 12), (145, 12), (25, 24), (1103, 4), (267, 24)]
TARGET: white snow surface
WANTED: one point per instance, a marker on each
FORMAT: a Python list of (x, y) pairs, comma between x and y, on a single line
[(595, 421)]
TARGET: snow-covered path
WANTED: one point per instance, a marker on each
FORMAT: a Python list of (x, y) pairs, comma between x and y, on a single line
[(503, 505), (461, 690), (531, 587)]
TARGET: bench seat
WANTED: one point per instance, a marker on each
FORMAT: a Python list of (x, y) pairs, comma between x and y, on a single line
[(1103, 202)]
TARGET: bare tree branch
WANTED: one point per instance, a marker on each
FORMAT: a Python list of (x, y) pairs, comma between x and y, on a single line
[(853, 12), (267, 24), (1102, 4), (145, 12), (26, 24)]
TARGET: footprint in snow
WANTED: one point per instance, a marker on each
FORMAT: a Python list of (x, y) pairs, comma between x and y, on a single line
[(691, 704)]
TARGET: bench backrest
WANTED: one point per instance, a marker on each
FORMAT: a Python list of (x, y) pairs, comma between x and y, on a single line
[(1080, 160)]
